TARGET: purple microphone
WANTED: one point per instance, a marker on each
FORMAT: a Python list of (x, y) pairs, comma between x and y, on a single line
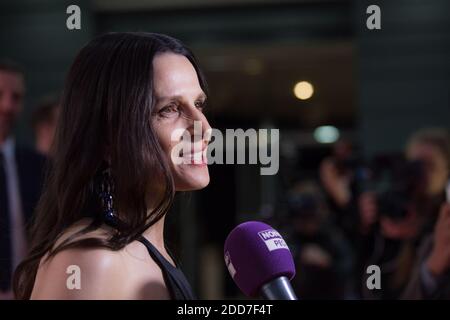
[(259, 261)]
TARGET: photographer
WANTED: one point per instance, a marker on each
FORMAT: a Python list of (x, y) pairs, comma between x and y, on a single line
[(323, 256), (401, 239), (430, 278), (431, 275), (337, 179)]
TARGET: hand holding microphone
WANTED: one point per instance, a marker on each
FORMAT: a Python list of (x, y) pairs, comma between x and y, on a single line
[(259, 261)]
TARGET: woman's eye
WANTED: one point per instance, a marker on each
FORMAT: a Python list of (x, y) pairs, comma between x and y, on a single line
[(168, 110), (200, 105)]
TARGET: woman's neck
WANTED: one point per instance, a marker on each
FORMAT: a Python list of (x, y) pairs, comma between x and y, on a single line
[(155, 234)]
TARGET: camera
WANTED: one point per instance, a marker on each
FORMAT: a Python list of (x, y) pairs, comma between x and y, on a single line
[(396, 181)]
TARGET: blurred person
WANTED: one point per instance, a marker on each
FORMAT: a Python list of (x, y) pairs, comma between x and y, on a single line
[(336, 174), (431, 148), (431, 275), (337, 178), (397, 241), (43, 122), (113, 177), (322, 254), (20, 177)]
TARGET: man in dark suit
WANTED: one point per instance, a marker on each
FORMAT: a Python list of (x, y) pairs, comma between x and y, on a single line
[(20, 178)]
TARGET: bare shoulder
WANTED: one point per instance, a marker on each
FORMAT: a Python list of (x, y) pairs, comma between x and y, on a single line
[(80, 273), (97, 273)]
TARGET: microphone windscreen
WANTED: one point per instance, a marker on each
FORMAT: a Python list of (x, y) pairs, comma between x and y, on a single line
[(255, 254)]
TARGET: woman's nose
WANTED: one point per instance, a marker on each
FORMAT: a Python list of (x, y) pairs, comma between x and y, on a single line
[(199, 126)]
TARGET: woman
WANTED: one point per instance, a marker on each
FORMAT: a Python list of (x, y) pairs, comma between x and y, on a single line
[(113, 177)]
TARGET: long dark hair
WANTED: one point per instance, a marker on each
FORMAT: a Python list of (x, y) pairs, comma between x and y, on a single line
[(105, 117)]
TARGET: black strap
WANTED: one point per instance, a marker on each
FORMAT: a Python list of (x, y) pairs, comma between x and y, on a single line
[(5, 231), (174, 278)]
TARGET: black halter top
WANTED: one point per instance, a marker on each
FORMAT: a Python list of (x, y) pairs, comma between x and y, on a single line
[(176, 282)]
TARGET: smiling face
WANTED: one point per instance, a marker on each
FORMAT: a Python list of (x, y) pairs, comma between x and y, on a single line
[(179, 102)]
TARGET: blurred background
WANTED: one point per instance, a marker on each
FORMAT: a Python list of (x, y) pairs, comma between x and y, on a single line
[(347, 101)]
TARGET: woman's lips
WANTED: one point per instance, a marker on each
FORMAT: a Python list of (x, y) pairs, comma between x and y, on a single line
[(196, 154), (198, 158)]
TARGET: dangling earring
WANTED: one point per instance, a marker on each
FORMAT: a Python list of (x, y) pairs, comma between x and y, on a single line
[(105, 193)]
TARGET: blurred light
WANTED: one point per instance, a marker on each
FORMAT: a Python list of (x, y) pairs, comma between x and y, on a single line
[(326, 134), (303, 90), (218, 63), (253, 67)]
